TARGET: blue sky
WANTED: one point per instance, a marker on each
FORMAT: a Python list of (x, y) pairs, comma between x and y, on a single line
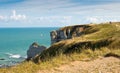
[(57, 13)]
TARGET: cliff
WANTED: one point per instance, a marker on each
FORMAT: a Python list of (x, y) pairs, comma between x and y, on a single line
[(97, 36), (67, 33)]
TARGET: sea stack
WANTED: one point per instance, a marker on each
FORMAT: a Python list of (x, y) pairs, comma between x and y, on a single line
[(34, 50)]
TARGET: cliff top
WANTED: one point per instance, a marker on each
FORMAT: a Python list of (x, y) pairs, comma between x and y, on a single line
[(94, 37)]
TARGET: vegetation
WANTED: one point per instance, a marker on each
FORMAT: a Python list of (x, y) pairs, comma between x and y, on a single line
[(94, 37), (31, 67), (97, 40)]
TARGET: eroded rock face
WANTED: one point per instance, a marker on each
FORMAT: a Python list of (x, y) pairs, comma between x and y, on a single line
[(67, 33), (34, 49)]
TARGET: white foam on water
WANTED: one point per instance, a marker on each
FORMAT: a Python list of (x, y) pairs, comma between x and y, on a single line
[(25, 57), (13, 55), (8, 54)]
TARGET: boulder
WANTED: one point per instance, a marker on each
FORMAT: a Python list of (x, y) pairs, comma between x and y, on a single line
[(34, 50), (2, 59)]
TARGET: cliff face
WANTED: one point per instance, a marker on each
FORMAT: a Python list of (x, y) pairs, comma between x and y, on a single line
[(67, 33)]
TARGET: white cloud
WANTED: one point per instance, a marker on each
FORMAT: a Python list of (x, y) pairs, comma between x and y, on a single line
[(16, 16), (99, 19), (55, 19), (92, 19), (2, 17), (13, 17)]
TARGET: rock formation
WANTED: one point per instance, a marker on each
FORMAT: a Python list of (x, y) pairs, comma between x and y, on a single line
[(33, 50), (2, 59), (67, 33)]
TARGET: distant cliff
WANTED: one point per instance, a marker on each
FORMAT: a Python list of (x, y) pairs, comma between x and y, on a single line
[(67, 33)]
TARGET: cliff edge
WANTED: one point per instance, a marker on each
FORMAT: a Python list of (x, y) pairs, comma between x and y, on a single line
[(67, 33), (76, 38)]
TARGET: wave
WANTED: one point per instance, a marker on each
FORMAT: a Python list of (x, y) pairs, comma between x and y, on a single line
[(25, 57), (8, 54), (17, 56)]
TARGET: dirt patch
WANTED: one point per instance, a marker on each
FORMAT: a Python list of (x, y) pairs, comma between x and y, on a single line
[(101, 65)]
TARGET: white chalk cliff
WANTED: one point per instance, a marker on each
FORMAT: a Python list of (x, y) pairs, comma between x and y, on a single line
[(67, 33)]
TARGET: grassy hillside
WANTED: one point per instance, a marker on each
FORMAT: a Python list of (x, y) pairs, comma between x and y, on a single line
[(97, 40), (97, 36)]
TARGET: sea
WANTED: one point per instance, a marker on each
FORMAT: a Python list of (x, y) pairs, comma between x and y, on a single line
[(14, 43)]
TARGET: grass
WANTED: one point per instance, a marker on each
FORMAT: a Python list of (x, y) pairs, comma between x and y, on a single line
[(96, 40), (31, 67), (103, 31), (93, 37)]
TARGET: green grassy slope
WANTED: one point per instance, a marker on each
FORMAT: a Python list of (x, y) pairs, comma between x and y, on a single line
[(97, 36)]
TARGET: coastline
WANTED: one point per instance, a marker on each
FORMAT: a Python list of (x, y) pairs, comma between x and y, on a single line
[(76, 48), (13, 63), (15, 47)]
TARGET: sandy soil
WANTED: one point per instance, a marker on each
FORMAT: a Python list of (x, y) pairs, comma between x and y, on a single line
[(100, 65)]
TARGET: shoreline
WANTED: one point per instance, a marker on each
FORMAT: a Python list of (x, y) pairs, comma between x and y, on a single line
[(11, 65)]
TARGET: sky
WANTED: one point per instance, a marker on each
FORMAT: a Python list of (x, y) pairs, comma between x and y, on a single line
[(57, 13)]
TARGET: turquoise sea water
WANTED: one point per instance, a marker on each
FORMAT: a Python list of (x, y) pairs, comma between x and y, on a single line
[(14, 42)]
